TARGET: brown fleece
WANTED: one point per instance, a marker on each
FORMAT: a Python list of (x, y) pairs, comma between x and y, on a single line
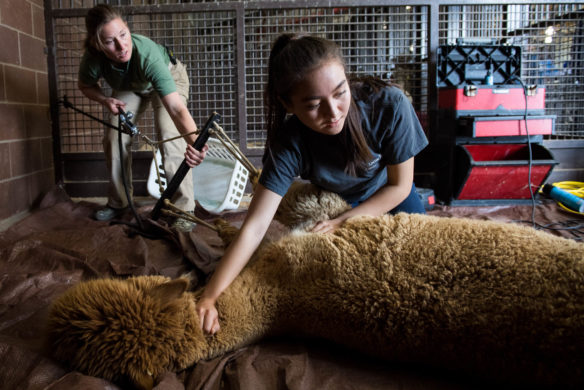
[(486, 298)]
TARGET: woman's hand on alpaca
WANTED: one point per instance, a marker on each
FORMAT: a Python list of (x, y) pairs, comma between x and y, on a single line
[(194, 157), (208, 316), (327, 226)]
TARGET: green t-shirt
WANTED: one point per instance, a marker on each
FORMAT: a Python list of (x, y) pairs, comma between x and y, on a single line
[(148, 67)]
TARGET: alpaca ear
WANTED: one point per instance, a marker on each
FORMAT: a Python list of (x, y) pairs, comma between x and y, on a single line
[(170, 291)]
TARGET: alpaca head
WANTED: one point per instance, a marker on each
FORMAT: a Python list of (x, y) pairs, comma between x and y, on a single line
[(127, 331)]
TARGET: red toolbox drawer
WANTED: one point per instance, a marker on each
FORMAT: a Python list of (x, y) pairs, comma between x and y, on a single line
[(499, 171), (506, 126), (491, 100)]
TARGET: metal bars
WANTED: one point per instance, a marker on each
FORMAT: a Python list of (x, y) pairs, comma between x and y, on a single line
[(390, 42), (225, 44), (205, 43), (78, 133), (552, 40)]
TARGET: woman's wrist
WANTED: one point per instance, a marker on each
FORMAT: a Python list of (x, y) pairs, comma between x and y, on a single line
[(209, 296), (102, 100)]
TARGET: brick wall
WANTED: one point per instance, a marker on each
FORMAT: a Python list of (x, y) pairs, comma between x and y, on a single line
[(26, 156)]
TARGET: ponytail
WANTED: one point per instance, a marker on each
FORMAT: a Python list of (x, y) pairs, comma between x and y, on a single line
[(291, 58)]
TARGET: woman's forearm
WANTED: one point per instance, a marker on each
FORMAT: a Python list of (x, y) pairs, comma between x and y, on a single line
[(251, 234), (92, 92), (398, 187), (384, 200), (185, 124), (95, 93), (234, 260), (181, 117)]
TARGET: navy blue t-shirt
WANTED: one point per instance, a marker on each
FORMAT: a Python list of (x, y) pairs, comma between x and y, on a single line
[(390, 125)]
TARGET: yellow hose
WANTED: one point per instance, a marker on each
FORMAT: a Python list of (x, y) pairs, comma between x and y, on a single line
[(574, 188)]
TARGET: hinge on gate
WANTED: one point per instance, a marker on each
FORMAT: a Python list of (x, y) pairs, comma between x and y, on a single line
[(470, 90)]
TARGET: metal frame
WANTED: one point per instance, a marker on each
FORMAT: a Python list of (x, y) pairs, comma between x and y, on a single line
[(240, 8)]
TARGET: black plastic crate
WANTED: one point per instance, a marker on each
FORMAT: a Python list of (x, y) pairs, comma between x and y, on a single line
[(478, 65)]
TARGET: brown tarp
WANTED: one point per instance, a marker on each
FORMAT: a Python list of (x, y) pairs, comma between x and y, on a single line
[(59, 244)]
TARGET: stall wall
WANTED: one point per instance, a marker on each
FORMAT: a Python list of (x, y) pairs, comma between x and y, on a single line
[(26, 150)]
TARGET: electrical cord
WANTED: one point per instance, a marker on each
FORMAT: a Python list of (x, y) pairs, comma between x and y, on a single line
[(575, 227), (530, 153)]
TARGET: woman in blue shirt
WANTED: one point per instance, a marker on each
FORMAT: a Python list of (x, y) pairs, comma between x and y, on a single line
[(357, 138)]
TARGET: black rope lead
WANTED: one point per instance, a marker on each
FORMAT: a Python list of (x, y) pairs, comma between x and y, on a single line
[(124, 121)]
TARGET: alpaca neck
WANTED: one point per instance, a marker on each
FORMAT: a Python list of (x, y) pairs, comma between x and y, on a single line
[(248, 310)]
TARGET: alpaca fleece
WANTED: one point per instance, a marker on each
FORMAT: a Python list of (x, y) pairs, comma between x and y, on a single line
[(305, 204), (127, 331), (486, 298)]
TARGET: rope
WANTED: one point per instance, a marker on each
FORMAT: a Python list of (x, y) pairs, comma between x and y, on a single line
[(219, 133), (173, 211), (231, 147), (154, 146)]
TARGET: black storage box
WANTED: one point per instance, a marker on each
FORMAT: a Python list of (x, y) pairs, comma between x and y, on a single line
[(484, 80), (460, 65)]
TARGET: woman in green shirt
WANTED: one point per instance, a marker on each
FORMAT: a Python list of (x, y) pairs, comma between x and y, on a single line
[(140, 72)]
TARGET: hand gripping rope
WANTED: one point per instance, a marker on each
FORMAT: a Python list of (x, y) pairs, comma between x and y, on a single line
[(126, 126), (183, 169), (250, 170)]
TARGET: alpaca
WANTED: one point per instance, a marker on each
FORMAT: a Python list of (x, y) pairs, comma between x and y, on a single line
[(127, 331), (304, 204), (485, 298)]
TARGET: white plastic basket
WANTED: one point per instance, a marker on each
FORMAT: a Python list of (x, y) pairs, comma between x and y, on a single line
[(219, 181)]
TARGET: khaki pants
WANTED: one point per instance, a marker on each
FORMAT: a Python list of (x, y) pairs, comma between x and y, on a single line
[(172, 152)]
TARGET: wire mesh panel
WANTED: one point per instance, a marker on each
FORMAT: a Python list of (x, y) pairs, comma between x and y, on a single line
[(392, 42), (68, 4), (78, 132), (203, 41), (389, 42), (551, 37)]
